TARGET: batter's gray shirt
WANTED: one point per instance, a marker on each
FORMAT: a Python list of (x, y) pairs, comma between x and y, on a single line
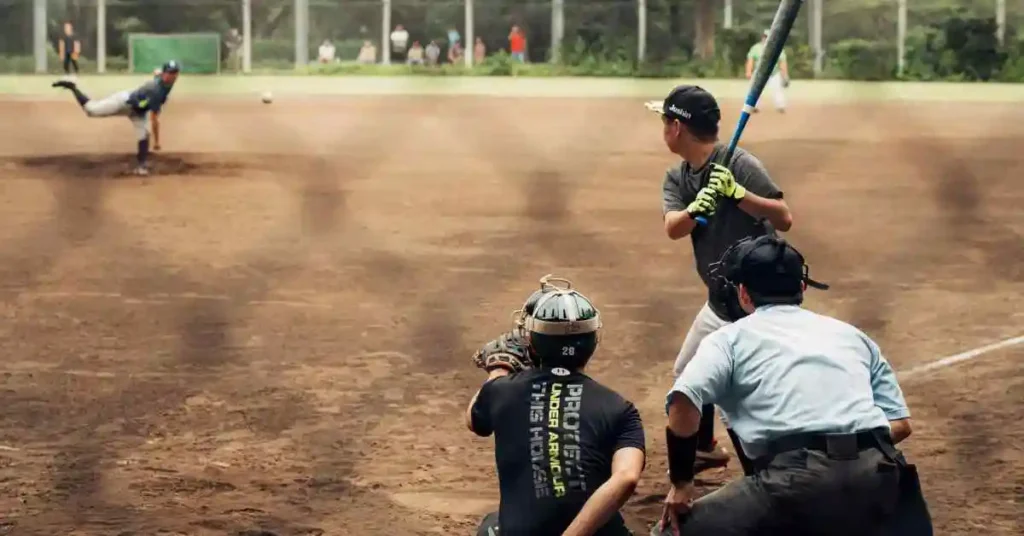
[(730, 223)]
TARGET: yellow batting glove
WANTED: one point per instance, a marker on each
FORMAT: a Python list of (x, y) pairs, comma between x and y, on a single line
[(724, 183), (704, 204)]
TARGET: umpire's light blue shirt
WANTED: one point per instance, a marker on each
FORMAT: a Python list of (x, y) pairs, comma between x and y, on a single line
[(785, 370)]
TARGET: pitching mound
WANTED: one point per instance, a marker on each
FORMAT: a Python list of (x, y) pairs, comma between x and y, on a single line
[(109, 166)]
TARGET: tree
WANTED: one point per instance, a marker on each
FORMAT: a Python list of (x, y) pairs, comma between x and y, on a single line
[(704, 31)]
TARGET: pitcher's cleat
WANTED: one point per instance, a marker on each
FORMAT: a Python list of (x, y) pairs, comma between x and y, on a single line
[(141, 171), (66, 84)]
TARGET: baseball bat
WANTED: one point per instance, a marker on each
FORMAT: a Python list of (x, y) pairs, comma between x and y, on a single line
[(777, 35)]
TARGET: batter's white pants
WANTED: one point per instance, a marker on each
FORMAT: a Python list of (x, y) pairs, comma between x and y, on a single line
[(778, 92), (117, 105), (706, 323)]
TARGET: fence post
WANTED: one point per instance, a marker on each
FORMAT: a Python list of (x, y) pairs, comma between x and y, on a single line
[(101, 36), (641, 30), (246, 36), (557, 29), (39, 34), (301, 33), (470, 47), (727, 17), (1001, 21), (901, 37), (385, 32), (816, 21)]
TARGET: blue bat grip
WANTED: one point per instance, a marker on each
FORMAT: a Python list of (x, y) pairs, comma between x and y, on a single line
[(701, 220)]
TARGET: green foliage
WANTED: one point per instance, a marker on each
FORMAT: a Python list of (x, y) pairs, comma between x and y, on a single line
[(733, 45), (975, 50), (859, 59)]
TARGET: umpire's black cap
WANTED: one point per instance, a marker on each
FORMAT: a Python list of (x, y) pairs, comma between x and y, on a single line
[(774, 268), (692, 105)]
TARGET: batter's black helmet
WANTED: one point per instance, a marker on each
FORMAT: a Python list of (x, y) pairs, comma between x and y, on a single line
[(771, 269), (561, 324)]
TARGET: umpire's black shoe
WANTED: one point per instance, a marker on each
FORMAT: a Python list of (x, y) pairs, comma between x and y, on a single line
[(66, 84)]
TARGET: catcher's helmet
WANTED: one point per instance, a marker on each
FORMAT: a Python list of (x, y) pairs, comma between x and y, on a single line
[(771, 269), (561, 324)]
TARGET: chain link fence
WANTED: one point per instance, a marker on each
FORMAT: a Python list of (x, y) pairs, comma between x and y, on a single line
[(686, 36)]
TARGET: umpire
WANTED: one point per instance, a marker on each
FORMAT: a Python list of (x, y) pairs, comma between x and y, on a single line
[(569, 450), (738, 198), (813, 402)]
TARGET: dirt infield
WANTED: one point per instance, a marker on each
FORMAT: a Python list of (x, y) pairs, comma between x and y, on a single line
[(271, 335)]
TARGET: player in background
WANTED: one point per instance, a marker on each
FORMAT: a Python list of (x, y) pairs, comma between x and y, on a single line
[(569, 450), (69, 48), (779, 80), (149, 99)]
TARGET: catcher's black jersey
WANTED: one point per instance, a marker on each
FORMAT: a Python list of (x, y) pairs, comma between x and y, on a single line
[(555, 433)]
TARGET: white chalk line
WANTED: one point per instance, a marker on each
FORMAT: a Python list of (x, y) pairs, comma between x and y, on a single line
[(961, 357)]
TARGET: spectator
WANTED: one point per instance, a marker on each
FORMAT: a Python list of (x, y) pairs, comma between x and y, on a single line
[(367, 54), (416, 54), (433, 53), (399, 43), (327, 52), (479, 51), (453, 37), (455, 53), (517, 44), (234, 43)]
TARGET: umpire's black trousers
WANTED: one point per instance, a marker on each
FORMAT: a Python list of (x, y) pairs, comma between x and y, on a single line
[(802, 492)]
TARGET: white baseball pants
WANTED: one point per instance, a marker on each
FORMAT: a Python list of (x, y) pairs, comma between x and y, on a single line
[(778, 92), (117, 105), (706, 323)]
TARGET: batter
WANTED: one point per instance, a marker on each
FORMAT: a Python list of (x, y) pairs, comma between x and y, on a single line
[(739, 200), (148, 98)]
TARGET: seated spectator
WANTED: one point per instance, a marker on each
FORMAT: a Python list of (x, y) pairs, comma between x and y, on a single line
[(455, 52), (415, 54), (433, 53), (367, 54), (479, 51), (327, 52)]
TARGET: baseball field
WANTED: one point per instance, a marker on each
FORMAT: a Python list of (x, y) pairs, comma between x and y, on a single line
[(271, 335)]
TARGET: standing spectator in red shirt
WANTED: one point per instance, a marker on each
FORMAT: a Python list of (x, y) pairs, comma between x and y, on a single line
[(517, 44)]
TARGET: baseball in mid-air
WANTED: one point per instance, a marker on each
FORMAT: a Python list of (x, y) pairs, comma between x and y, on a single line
[(268, 97)]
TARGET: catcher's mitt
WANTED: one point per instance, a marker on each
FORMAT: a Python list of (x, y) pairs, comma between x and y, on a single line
[(509, 351)]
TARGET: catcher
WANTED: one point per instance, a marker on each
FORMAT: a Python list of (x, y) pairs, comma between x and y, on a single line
[(147, 99), (569, 450)]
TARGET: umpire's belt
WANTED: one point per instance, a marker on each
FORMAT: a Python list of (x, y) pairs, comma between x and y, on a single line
[(836, 446)]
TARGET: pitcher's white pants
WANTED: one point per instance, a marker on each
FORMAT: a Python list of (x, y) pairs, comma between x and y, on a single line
[(778, 92), (117, 105)]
